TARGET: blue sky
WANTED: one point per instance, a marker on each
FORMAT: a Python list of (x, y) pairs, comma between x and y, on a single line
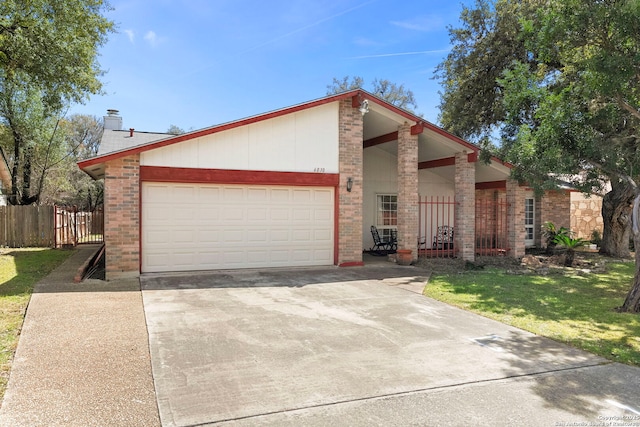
[(197, 63)]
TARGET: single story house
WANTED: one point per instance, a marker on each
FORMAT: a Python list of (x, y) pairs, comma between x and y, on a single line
[(302, 186)]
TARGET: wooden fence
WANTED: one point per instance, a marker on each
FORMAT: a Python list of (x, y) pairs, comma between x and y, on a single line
[(49, 226), (27, 226), (73, 226)]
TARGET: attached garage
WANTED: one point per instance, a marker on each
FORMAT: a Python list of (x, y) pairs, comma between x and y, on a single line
[(188, 227)]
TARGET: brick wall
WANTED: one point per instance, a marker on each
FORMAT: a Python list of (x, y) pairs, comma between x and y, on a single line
[(465, 182), (407, 189), (122, 217), (555, 206), (350, 203), (515, 218)]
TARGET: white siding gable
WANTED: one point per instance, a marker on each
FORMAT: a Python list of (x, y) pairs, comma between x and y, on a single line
[(304, 141)]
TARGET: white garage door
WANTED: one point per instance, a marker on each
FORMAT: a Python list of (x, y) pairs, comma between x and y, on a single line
[(206, 227)]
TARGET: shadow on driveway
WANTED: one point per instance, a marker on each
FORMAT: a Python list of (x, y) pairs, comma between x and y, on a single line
[(313, 345)]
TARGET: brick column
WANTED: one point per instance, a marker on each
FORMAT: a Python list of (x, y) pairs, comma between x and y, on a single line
[(407, 189), (122, 217), (515, 218), (555, 206), (350, 203), (465, 215)]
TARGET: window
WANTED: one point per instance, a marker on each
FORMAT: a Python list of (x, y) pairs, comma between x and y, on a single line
[(387, 214), (529, 214)]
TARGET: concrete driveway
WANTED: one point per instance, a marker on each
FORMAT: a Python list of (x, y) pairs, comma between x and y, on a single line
[(354, 346)]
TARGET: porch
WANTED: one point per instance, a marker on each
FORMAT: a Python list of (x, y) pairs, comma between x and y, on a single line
[(437, 227)]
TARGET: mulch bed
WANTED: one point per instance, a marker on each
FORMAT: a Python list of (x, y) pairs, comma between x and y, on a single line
[(534, 262)]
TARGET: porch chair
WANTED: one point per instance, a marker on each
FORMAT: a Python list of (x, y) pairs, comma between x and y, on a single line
[(443, 238), (383, 246)]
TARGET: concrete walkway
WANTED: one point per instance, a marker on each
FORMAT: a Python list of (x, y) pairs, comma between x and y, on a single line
[(83, 355)]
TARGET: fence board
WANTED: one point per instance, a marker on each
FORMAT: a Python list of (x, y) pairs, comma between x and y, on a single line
[(27, 226)]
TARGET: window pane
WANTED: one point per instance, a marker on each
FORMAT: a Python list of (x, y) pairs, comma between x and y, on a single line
[(387, 213)]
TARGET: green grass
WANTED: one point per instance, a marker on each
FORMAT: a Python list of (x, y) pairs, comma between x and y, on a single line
[(20, 269), (575, 309)]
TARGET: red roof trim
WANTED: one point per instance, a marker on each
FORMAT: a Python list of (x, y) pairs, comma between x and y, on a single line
[(393, 136), (446, 161), (491, 185), (216, 129), (358, 93), (232, 176)]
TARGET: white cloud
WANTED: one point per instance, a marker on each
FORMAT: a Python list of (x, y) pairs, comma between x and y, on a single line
[(384, 55), (130, 34), (152, 38), (421, 23)]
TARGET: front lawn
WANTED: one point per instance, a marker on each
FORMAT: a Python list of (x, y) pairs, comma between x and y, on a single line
[(20, 269), (570, 307)]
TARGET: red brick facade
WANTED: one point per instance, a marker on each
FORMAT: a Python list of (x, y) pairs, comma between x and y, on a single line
[(122, 216), (515, 218), (554, 206), (407, 189), (350, 203), (465, 182)]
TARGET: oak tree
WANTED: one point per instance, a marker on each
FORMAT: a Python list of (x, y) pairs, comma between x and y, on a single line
[(48, 52)]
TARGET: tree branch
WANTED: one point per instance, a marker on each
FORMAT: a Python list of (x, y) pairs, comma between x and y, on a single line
[(626, 106)]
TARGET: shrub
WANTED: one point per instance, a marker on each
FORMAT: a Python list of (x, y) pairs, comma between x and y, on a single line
[(550, 233)]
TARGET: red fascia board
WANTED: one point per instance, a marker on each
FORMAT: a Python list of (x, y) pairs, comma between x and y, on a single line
[(491, 185), (232, 176), (447, 161), (417, 129), (420, 123), (354, 94), (393, 136), (216, 129)]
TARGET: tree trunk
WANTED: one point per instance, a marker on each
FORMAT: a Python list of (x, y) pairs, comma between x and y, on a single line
[(616, 215), (632, 301), (13, 197)]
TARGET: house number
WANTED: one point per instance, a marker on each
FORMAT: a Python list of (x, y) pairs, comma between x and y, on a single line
[(321, 170)]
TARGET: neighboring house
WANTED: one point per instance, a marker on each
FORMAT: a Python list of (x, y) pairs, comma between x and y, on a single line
[(301, 186), (5, 179)]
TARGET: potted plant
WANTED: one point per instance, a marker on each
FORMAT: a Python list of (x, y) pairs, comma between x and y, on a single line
[(404, 256)]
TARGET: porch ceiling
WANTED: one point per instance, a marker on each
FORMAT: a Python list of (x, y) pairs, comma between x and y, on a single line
[(431, 146)]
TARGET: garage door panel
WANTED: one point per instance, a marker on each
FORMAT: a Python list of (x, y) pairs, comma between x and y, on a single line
[(322, 235), (301, 236), (280, 195), (232, 226), (233, 194), (257, 236), (302, 215)]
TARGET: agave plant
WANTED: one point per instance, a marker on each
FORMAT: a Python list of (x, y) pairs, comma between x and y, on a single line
[(570, 244), (550, 232)]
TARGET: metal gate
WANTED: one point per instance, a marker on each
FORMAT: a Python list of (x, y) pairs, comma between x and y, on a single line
[(73, 226), (492, 238), (436, 226)]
